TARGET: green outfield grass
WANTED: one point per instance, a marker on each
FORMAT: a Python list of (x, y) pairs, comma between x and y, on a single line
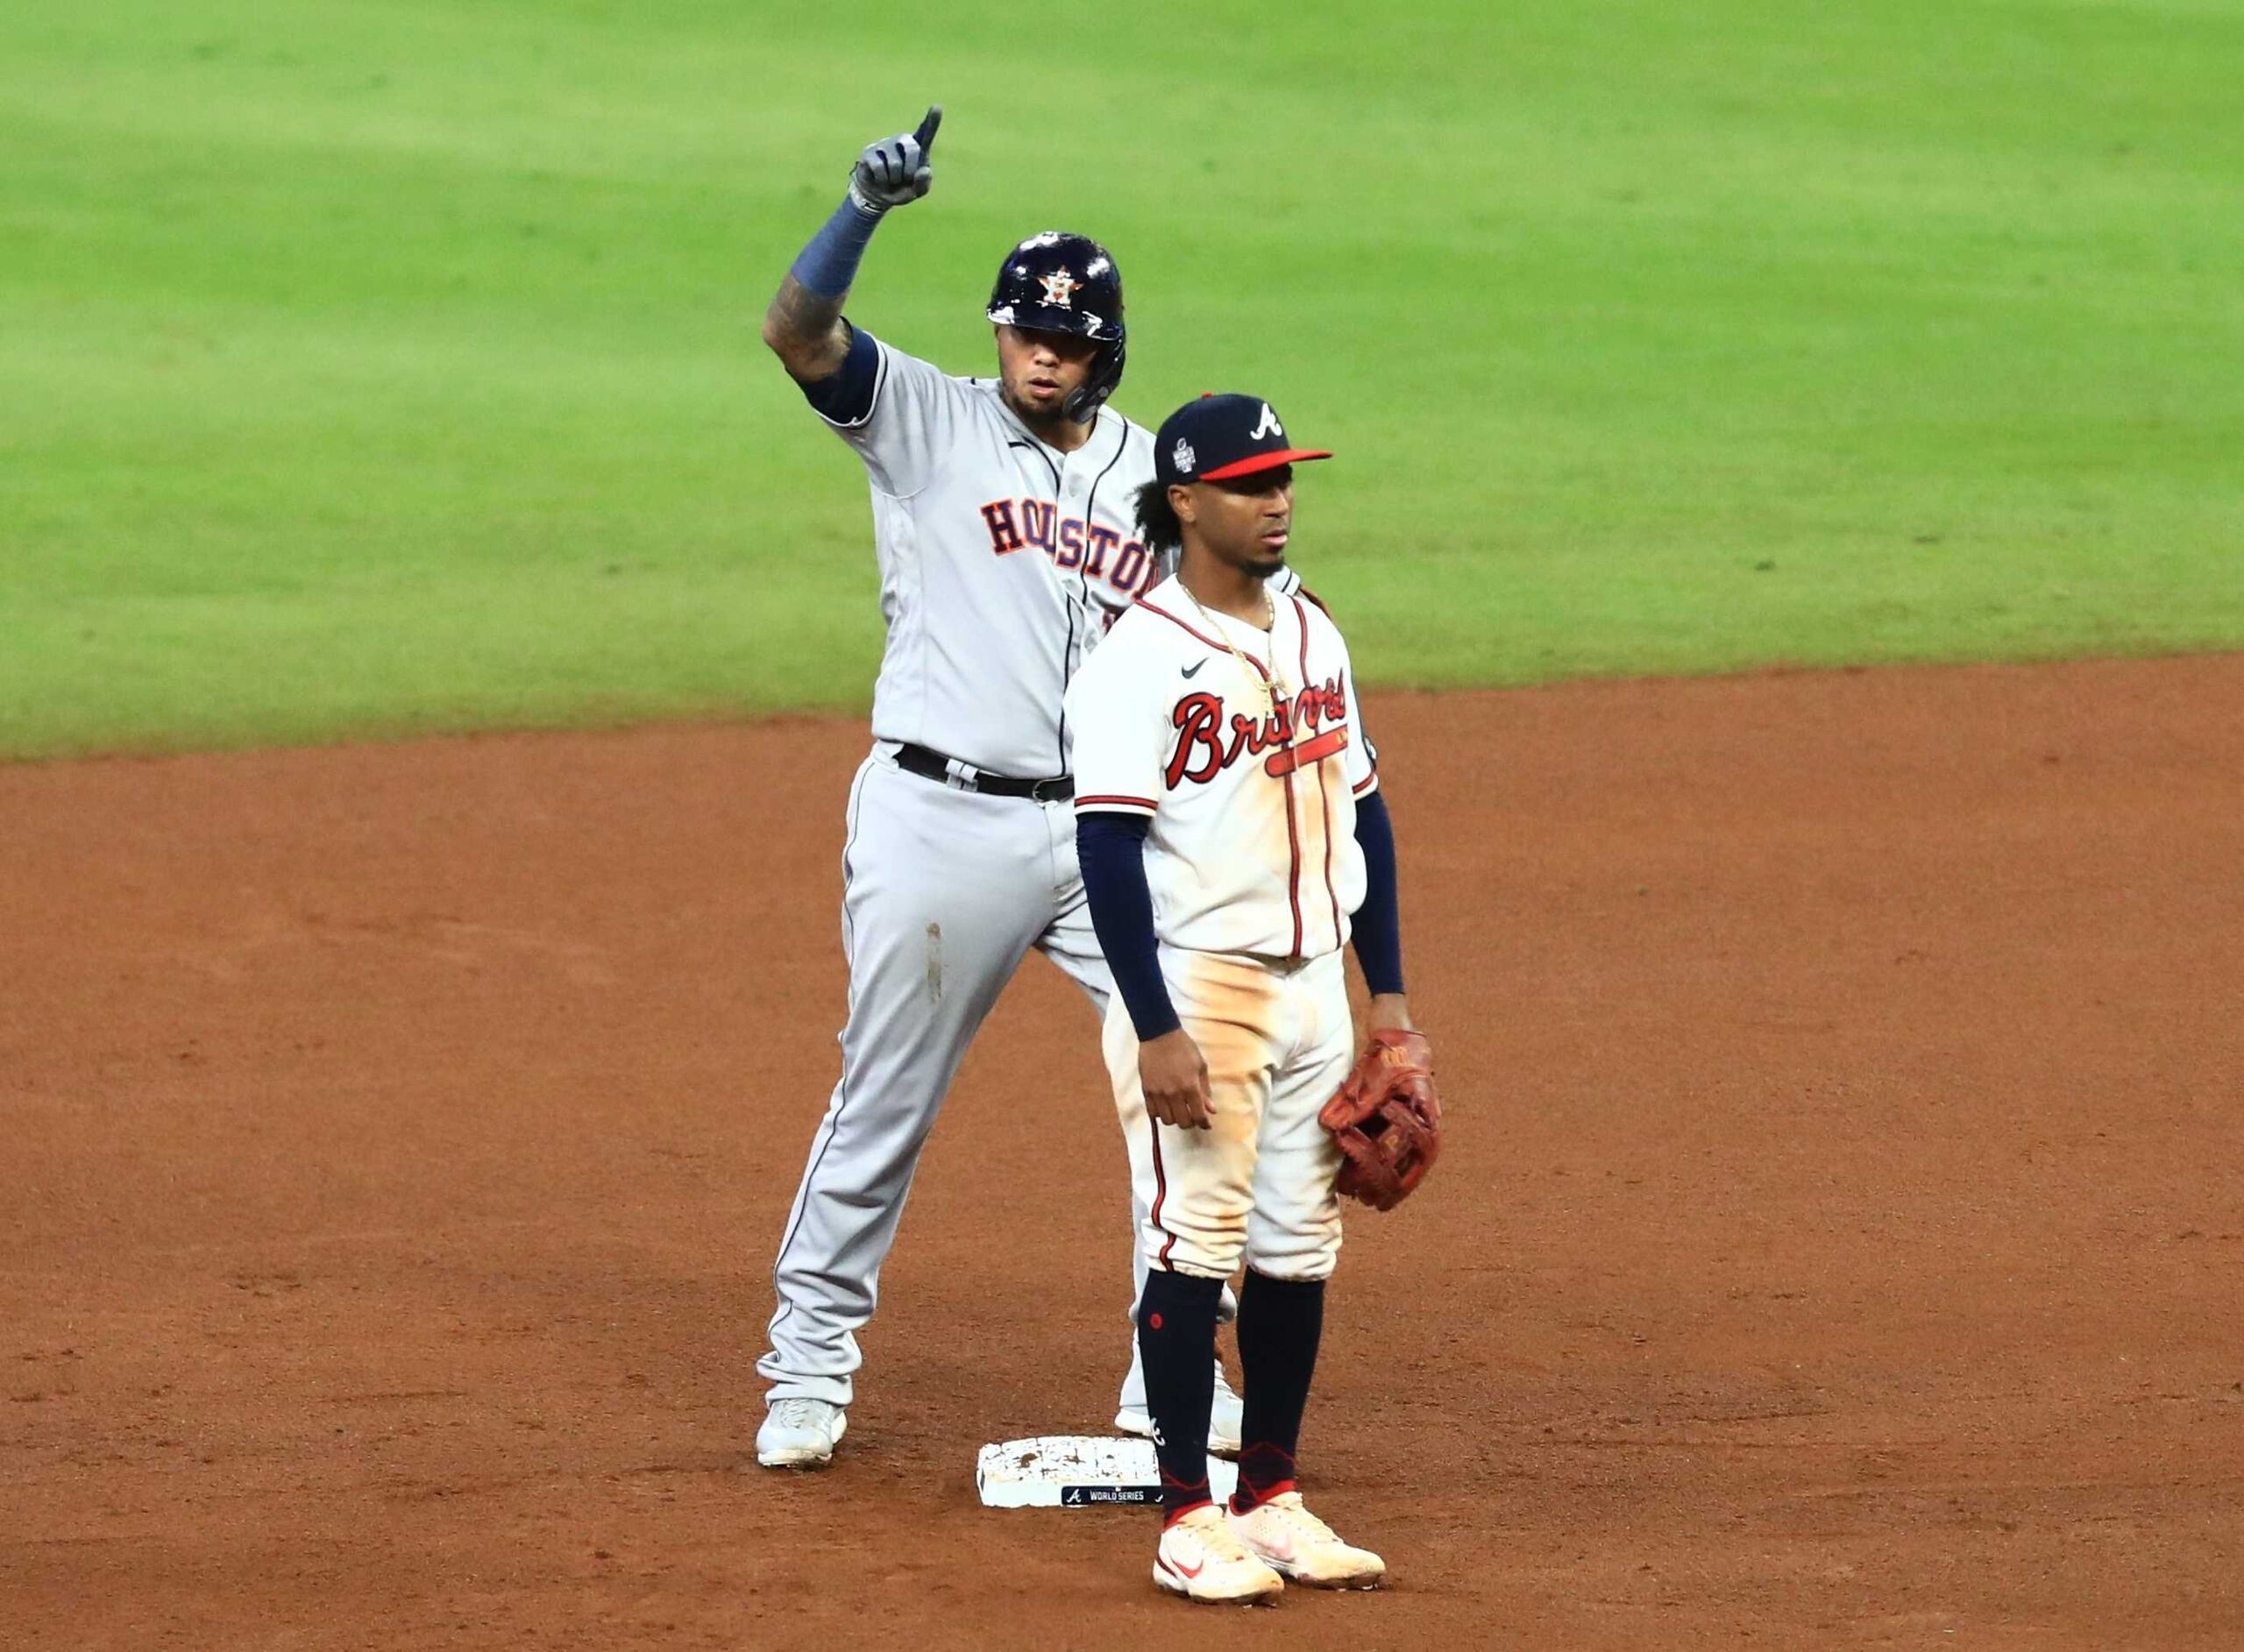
[(378, 367)]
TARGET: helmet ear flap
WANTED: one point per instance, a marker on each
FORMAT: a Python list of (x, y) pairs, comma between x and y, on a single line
[(1085, 400)]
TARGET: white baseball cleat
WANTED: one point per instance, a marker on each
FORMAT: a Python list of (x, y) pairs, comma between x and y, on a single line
[(1293, 1542), (1227, 1419), (1202, 1558), (800, 1434)]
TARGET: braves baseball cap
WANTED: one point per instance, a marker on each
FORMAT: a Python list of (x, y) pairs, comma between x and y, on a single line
[(1219, 438)]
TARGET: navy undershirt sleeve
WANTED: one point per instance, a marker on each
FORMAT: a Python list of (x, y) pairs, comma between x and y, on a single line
[(1112, 848), (1378, 927), (828, 266), (846, 395)]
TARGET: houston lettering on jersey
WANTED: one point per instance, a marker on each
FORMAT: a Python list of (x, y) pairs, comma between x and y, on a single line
[(1020, 524), (1206, 745)]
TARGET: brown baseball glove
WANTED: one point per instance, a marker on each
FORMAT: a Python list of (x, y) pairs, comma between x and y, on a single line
[(1387, 1120)]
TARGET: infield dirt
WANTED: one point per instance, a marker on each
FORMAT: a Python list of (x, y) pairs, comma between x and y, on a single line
[(1839, 1240)]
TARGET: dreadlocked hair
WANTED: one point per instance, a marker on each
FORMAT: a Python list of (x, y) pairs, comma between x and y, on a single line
[(1157, 523)]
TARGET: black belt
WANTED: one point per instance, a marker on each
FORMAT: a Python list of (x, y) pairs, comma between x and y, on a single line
[(932, 764)]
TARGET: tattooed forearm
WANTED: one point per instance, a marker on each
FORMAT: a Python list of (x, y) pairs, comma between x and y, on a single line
[(802, 315), (803, 330)]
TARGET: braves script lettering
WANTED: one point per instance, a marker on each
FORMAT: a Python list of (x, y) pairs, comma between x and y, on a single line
[(1207, 743)]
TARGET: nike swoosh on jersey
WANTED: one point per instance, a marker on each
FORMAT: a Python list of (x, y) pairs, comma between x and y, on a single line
[(1194, 666)]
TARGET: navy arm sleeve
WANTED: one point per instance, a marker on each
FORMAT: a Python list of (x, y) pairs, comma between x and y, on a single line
[(828, 266), (1112, 848), (846, 396), (1378, 926)]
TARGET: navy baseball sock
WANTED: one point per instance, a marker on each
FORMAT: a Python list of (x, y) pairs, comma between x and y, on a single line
[(1279, 1324), (1176, 1337)]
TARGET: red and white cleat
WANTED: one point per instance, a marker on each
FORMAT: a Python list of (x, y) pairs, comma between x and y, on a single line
[(1291, 1541), (1202, 1558)]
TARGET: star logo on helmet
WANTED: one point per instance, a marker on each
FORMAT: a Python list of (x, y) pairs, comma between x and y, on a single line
[(1182, 456), (1059, 289)]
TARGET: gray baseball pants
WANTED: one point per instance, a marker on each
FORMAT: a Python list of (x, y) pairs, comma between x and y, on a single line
[(945, 892)]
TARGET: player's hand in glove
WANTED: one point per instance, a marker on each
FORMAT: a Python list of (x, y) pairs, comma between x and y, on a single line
[(1387, 1119), (895, 172), (1173, 1074)]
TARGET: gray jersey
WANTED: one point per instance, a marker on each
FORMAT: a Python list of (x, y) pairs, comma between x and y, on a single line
[(1003, 562)]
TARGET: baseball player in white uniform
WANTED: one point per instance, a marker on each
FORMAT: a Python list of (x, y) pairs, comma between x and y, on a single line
[(1231, 834), (1002, 518)]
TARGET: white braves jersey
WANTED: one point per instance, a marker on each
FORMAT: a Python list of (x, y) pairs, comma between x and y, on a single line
[(1250, 772), (1003, 562)]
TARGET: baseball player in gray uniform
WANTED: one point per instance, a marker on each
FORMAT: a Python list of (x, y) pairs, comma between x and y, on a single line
[(1003, 518)]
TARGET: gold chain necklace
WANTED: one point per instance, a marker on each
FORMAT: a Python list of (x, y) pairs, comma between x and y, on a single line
[(1269, 682)]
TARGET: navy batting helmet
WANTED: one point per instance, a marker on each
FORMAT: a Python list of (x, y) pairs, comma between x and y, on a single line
[(1061, 283)]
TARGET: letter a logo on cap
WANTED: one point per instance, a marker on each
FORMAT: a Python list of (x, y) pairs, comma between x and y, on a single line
[(1267, 426)]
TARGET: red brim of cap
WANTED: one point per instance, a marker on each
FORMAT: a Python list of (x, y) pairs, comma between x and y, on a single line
[(1254, 461)]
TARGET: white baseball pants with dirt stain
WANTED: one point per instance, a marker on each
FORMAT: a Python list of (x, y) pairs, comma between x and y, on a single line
[(1257, 1186)]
